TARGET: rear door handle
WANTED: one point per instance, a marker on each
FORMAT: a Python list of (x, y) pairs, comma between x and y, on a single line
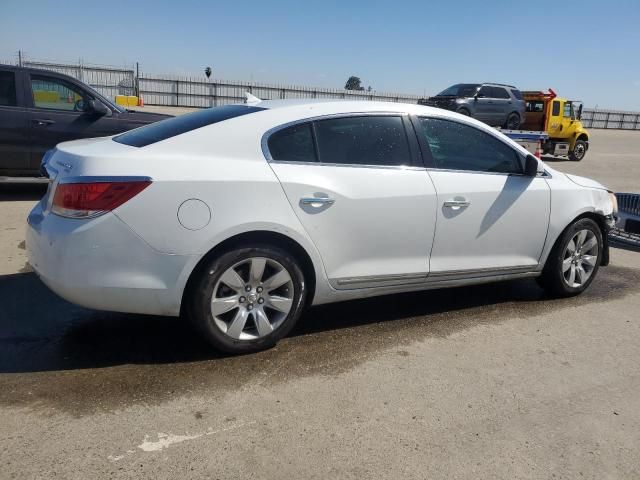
[(456, 204), (43, 122), (317, 201)]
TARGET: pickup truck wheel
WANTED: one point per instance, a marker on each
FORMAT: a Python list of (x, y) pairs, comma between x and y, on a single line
[(513, 121), (464, 111), (579, 151), (574, 260)]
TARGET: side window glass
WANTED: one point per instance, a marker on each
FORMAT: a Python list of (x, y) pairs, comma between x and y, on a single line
[(55, 94), (566, 111), (8, 89), (456, 146), (293, 144), (556, 108), (500, 93), (485, 92), (369, 140)]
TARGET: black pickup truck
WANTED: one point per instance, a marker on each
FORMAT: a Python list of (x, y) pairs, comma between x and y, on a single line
[(40, 108)]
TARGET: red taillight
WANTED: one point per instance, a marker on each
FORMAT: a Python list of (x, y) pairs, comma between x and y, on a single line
[(82, 200)]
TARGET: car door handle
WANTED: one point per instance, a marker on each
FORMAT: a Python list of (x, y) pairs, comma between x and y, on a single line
[(43, 122), (456, 204), (317, 201)]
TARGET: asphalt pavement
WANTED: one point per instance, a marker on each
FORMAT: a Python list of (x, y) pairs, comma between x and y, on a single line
[(493, 381)]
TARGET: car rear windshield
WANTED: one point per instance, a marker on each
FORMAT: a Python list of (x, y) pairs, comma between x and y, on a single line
[(460, 90), (156, 132), (516, 93)]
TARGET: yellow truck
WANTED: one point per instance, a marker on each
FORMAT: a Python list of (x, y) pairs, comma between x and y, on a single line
[(559, 119)]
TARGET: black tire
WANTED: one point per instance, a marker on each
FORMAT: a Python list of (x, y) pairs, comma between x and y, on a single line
[(579, 151), (513, 121), (464, 111), (552, 278), (200, 298)]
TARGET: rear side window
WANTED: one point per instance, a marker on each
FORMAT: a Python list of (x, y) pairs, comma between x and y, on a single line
[(370, 140), (293, 144), (556, 108), (516, 93), (8, 89), (156, 132), (499, 92), (455, 146)]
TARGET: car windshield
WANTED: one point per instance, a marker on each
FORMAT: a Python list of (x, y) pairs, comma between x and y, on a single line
[(460, 90)]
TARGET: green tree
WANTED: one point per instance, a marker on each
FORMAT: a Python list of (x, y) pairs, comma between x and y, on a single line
[(353, 83)]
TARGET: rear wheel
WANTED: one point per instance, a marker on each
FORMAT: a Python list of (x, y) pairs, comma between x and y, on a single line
[(574, 260), (248, 299), (464, 111), (513, 121), (579, 151)]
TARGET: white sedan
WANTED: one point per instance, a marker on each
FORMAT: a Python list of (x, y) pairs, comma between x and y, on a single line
[(240, 216)]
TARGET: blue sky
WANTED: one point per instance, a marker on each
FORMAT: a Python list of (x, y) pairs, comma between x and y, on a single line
[(588, 50)]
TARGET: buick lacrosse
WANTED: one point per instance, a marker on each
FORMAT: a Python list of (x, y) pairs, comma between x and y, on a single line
[(240, 216)]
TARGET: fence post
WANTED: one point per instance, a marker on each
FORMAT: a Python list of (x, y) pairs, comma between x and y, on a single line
[(177, 93), (137, 80), (606, 122)]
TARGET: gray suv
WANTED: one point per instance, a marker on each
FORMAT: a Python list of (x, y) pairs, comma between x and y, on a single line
[(493, 103)]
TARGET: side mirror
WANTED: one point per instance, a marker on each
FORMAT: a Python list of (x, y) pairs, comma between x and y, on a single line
[(97, 108), (579, 116), (531, 165)]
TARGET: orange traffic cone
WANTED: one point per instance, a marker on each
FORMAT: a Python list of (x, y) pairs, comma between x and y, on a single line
[(69, 99), (140, 102), (539, 150)]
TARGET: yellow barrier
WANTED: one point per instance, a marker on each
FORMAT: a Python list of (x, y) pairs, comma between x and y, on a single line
[(45, 96), (127, 100)]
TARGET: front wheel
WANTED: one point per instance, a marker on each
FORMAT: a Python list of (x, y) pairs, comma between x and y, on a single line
[(574, 260), (579, 151), (248, 299)]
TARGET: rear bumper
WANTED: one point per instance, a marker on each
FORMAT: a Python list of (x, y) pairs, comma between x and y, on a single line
[(102, 264)]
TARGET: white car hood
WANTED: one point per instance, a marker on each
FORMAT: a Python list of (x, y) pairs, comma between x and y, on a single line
[(585, 182)]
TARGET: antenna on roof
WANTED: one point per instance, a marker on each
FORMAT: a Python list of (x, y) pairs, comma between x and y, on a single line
[(251, 99)]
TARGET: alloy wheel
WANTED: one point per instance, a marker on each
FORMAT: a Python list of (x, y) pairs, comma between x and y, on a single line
[(252, 298), (580, 258)]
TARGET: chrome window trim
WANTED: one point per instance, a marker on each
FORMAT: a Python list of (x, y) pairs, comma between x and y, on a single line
[(348, 165), (264, 142)]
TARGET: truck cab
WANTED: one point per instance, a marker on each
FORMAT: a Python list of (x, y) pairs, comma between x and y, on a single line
[(560, 119)]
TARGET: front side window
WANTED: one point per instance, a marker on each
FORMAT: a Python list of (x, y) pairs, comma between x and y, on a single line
[(485, 92), (368, 140), (567, 110), (555, 110), (460, 90), (55, 94), (455, 146), (293, 144), (8, 89)]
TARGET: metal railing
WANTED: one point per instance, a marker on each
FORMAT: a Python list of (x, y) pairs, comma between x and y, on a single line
[(174, 91), (611, 119)]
